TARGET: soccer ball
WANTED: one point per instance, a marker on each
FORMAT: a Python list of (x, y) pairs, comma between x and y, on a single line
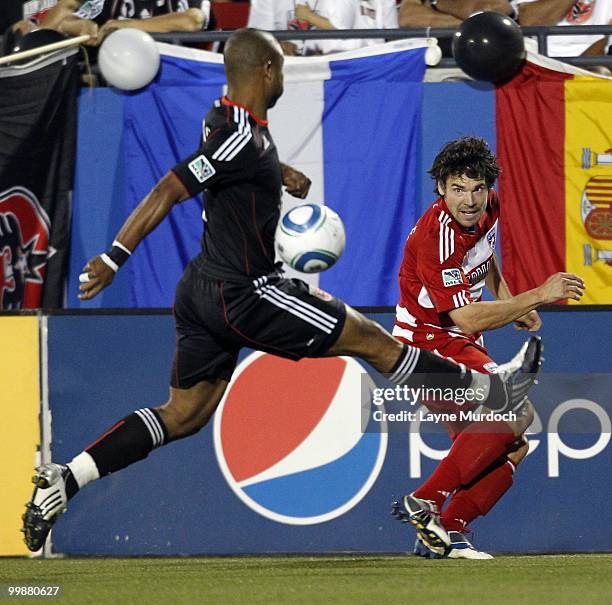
[(310, 238)]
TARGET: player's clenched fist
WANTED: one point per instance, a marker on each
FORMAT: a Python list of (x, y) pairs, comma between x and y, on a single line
[(561, 286), (95, 277), (296, 182)]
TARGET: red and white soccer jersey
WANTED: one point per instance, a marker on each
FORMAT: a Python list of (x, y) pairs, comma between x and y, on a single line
[(444, 268)]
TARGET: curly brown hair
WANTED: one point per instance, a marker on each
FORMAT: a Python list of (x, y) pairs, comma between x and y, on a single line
[(471, 156)]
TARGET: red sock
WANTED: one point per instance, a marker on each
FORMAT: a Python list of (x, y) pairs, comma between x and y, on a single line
[(474, 450), (479, 497)]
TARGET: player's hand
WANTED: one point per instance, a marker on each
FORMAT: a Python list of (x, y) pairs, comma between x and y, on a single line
[(90, 28), (24, 27), (530, 322), (289, 48), (303, 12), (561, 286), (108, 28), (99, 275), (296, 182)]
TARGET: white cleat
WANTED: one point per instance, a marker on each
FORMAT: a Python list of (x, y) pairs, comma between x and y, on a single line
[(48, 502), (462, 548)]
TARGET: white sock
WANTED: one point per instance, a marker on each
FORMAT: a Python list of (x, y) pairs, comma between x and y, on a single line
[(83, 469)]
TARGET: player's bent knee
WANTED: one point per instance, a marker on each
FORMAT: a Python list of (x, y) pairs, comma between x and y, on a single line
[(189, 410), (183, 419), (363, 337)]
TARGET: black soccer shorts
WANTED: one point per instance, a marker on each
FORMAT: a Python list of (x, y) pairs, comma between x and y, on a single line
[(215, 319)]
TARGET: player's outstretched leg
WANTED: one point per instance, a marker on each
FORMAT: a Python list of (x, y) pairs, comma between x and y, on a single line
[(364, 338), (128, 441)]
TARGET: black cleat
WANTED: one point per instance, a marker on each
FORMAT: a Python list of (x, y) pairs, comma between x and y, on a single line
[(518, 375), (47, 504), (424, 516)]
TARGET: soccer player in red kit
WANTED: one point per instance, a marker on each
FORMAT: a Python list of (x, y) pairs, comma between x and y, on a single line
[(449, 258)]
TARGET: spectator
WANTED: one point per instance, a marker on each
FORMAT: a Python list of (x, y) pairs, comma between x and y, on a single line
[(20, 17), (25, 15), (447, 13), (350, 14), (568, 12), (273, 15), (147, 15)]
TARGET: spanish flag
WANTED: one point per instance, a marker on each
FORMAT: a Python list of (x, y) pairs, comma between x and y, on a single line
[(554, 144)]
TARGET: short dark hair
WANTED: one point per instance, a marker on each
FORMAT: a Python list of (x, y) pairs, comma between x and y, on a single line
[(468, 155), (248, 48)]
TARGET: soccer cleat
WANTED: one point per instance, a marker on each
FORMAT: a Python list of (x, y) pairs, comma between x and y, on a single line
[(520, 373), (48, 502), (424, 516), (422, 548), (460, 548)]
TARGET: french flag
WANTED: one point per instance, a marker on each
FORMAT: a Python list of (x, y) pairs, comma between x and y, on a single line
[(349, 121)]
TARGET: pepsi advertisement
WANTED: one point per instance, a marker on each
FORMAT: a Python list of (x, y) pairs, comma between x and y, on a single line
[(285, 465)]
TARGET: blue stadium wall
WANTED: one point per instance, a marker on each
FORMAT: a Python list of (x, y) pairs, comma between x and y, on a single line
[(182, 500)]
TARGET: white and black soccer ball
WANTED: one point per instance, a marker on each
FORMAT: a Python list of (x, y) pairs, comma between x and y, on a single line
[(310, 238)]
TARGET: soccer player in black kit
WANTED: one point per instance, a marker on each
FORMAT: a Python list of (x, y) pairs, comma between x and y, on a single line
[(232, 295)]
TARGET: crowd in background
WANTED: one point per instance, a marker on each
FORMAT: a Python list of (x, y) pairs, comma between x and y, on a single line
[(97, 18)]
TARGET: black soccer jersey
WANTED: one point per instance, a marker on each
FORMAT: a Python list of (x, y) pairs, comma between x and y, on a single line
[(238, 168), (102, 10)]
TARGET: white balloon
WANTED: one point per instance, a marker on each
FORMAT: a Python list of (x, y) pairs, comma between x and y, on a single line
[(433, 54), (128, 59)]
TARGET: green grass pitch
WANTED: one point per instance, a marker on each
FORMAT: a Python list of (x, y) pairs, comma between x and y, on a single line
[(342, 579)]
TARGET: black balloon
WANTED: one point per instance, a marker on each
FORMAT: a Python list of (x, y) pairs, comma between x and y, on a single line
[(489, 46)]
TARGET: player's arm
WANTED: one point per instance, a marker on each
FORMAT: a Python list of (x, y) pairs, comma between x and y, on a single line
[(296, 182), (191, 20), (498, 287), (63, 9), (228, 156), (305, 13), (462, 10), (543, 12), (488, 315), (413, 13), (143, 219)]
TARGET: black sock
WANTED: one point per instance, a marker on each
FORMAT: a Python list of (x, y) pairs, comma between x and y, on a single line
[(428, 369), (72, 487), (128, 441)]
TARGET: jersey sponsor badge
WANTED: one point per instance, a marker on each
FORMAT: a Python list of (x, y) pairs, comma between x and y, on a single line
[(451, 277), (201, 168)]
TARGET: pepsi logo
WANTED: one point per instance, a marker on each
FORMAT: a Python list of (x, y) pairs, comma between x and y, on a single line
[(289, 441)]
